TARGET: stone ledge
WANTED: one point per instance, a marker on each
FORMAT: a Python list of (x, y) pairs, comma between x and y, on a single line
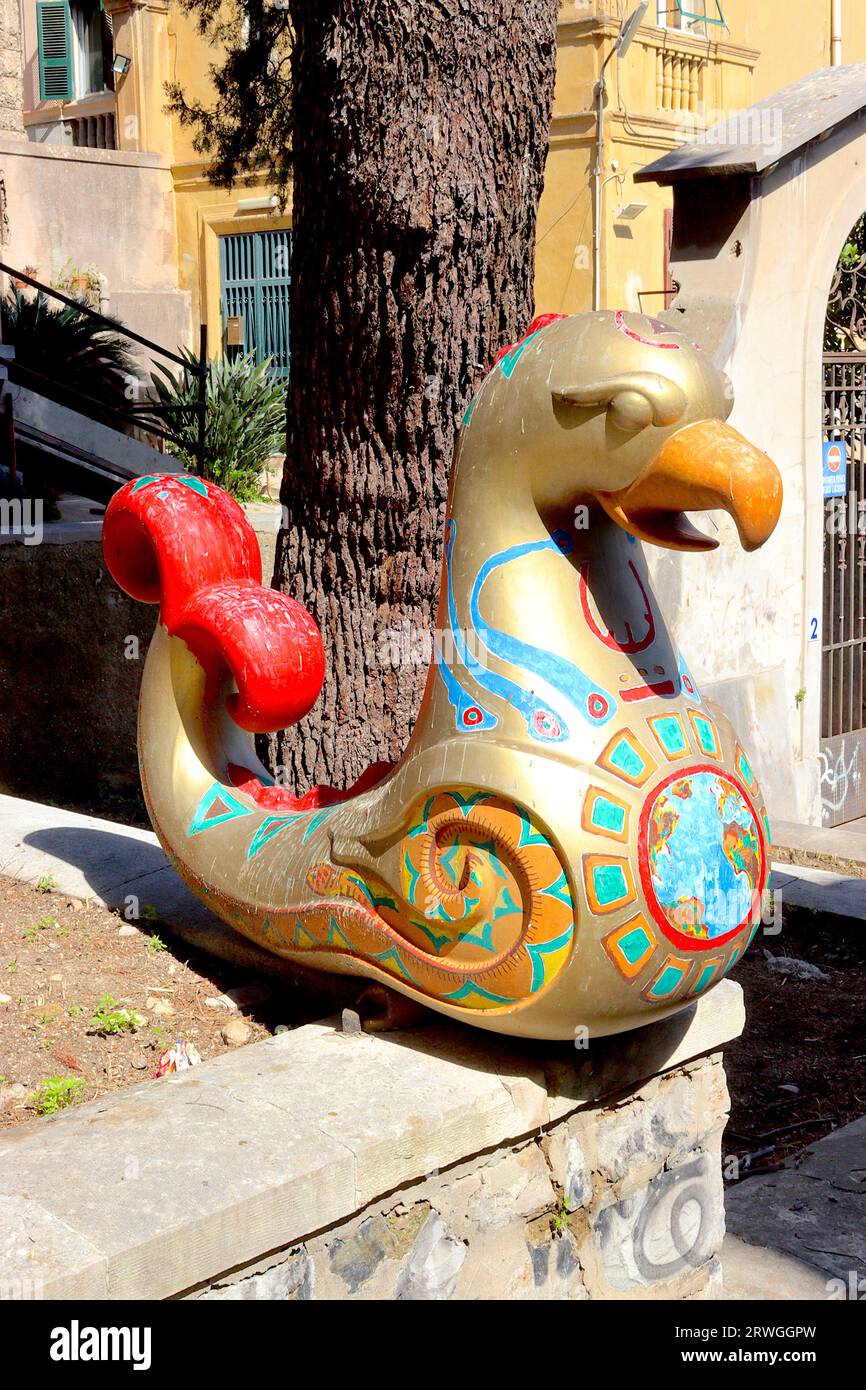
[(78, 154), (156, 1190)]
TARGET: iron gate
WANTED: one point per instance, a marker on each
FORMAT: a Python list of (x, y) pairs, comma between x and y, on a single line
[(843, 717), (254, 267)]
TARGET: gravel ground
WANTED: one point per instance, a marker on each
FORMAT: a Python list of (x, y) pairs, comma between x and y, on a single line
[(60, 958)]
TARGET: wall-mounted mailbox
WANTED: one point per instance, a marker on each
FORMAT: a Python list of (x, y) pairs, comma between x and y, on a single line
[(235, 331)]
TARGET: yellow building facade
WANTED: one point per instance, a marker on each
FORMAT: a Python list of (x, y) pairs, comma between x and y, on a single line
[(680, 76), (691, 64)]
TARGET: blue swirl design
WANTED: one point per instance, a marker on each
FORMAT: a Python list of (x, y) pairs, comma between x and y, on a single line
[(596, 705), (469, 715), (542, 722)]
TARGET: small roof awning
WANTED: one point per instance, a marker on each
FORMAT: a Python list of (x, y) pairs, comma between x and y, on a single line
[(755, 140)]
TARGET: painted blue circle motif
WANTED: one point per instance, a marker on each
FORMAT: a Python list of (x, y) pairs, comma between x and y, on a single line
[(701, 857)]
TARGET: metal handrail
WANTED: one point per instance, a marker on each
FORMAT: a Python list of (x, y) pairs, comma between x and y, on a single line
[(646, 294), (198, 367), (71, 396)]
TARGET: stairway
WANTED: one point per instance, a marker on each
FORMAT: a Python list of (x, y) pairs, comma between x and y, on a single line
[(74, 453), (69, 437)]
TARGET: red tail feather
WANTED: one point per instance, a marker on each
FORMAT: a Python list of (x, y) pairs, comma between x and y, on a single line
[(186, 545)]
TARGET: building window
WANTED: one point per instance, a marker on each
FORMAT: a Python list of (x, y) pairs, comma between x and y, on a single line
[(54, 38), (93, 46), (693, 16), (75, 49), (256, 281)]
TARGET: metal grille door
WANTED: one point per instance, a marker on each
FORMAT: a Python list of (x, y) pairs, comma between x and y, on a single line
[(843, 718), (255, 288)]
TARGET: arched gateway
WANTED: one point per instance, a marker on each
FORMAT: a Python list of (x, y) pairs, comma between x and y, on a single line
[(758, 229), (843, 679)]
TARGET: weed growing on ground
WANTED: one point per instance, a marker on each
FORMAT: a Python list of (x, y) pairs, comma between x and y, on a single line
[(109, 1017), (44, 923), (56, 1093), (48, 1016)]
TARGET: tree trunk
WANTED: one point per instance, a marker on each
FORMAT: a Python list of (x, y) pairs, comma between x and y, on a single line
[(421, 136)]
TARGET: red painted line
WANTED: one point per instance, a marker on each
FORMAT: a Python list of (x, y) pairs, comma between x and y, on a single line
[(644, 692)]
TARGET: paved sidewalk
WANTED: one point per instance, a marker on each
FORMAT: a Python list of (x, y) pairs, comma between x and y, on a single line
[(815, 1212), (752, 1274), (821, 890), (103, 861), (831, 842)]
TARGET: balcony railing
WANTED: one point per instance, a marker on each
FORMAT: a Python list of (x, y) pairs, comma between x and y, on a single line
[(94, 132), (679, 80)]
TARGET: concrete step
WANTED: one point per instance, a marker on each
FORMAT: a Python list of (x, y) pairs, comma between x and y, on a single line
[(814, 1212), (753, 1273), (824, 845), (820, 890), (102, 861)]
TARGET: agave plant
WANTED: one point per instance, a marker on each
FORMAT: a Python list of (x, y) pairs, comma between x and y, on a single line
[(68, 347), (244, 423)]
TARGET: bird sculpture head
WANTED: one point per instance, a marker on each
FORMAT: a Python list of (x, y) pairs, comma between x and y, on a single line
[(628, 411)]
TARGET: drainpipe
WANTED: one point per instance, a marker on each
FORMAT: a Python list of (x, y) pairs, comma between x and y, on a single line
[(836, 34), (596, 185), (621, 45)]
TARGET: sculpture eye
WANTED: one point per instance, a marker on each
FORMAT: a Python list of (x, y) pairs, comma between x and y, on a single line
[(633, 399), (631, 411)]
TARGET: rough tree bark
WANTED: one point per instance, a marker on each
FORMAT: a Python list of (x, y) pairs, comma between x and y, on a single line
[(421, 131)]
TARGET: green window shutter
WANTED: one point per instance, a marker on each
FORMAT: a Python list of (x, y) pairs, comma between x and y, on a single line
[(53, 28)]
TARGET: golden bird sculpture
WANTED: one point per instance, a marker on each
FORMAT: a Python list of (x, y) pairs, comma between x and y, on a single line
[(574, 839)]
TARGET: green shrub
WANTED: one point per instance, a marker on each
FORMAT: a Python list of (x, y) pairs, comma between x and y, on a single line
[(245, 420), (109, 1018), (69, 347), (56, 1093)]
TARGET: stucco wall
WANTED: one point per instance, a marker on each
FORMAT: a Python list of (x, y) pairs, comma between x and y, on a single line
[(762, 47), (758, 50), (756, 297), (105, 208)]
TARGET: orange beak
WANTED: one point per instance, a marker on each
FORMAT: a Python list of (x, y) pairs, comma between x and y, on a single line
[(704, 467)]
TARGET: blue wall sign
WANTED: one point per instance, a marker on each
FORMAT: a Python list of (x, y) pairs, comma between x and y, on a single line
[(835, 467)]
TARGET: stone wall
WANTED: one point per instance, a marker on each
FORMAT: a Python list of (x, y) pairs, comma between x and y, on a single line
[(622, 1201), (11, 72), (438, 1162)]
